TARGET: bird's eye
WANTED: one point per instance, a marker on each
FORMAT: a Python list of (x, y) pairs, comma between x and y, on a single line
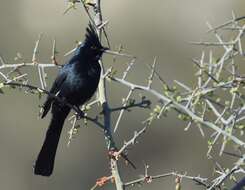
[(93, 47)]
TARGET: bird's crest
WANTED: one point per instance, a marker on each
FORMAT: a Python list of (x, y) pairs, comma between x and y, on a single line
[(91, 37)]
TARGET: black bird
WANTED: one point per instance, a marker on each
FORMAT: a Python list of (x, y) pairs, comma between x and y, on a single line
[(240, 185), (76, 83)]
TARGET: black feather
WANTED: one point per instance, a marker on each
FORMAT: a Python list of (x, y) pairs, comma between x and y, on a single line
[(91, 38), (76, 83)]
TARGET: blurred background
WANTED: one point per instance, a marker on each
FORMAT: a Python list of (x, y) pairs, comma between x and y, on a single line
[(145, 29)]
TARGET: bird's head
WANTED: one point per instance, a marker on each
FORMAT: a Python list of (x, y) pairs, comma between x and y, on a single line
[(91, 47)]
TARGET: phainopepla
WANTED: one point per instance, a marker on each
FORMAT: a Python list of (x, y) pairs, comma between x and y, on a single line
[(76, 82)]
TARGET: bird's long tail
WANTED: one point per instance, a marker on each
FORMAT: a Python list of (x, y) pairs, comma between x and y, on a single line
[(45, 161)]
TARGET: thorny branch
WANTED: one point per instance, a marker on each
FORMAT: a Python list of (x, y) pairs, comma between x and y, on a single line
[(149, 179), (193, 104)]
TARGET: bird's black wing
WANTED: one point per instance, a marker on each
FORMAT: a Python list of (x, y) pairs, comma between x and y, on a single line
[(55, 88)]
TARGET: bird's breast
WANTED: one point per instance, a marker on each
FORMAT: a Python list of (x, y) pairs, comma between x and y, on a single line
[(80, 86)]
